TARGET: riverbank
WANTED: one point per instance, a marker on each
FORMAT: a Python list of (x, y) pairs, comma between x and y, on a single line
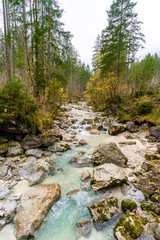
[(81, 130)]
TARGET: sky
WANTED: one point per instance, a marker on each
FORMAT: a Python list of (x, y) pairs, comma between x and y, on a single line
[(85, 19)]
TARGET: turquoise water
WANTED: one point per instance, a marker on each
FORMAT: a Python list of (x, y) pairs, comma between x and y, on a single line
[(60, 223)]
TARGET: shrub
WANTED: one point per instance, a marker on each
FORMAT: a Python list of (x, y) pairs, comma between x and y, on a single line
[(17, 103), (144, 108)]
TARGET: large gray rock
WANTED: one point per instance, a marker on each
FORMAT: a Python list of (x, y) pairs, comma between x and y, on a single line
[(109, 153), (14, 151), (115, 128), (34, 152), (30, 142), (33, 171), (48, 140), (81, 159), (103, 210), (59, 147), (130, 126), (4, 166), (108, 175), (155, 132), (33, 208)]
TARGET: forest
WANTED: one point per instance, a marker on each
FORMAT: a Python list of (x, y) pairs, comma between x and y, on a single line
[(40, 66)]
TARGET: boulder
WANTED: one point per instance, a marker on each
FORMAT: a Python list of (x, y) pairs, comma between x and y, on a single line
[(130, 126), (130, 226), (109, 153), (103, 210), (94, 132), (14, 151), (85, 176), (34, 152), (30, 142), (34, 171), (72, 192), (108, 175), (151, 207), (84, 228), (152, 230), (146, 236), (15, 127), (128, 205), (33, 208), (4, 166), (149, 184), (115, 128), (48, 139), (81, 159), (82, 142), (59, 147), (155, 132)]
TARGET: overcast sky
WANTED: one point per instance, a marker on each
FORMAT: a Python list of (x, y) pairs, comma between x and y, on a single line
[(87, 18)]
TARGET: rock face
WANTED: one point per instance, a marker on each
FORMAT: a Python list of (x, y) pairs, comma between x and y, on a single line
[(33, 208), (103, 210), (149, 184), (81, 160), (129, 227), (155, 132), (14, 126), (107, 175), (109, 153), (115, 128)]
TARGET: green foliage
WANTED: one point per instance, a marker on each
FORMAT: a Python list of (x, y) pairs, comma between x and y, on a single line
[(17, 103), (144, 108)]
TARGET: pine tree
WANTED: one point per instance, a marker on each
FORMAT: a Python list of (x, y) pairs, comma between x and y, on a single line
[(121, 39)]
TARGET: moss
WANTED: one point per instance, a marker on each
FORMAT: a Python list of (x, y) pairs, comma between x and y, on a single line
[(151, 157), (99, 210), (130, 226), (3, 148), (128, 204)]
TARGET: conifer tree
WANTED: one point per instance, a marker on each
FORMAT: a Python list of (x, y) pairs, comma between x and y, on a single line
[(122, 38)]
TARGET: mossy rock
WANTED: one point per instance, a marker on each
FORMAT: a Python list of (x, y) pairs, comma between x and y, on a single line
[(129, 227), (3, 148), (128, 204), (3, 140), (151, 157), (151, 208)]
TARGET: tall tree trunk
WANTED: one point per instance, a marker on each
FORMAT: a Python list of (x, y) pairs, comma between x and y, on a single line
[(9, 40), (6, 44)]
